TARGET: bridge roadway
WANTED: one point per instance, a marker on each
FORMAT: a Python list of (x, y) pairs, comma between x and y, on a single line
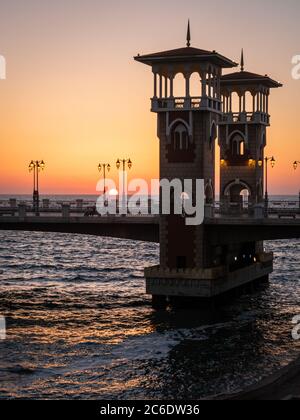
[(218, 230)]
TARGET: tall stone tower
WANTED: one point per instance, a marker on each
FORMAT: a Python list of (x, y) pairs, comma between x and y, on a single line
[(242, 137), (187, 130)]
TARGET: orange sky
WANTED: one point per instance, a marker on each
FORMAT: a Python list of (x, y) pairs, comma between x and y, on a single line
[(74, 96)]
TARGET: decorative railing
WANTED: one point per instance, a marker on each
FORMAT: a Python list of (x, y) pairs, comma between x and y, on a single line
[(191, 103), (245, 117), (80, 208)]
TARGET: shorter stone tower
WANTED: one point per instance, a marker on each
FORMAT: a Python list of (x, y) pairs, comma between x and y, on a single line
[(242, 137)]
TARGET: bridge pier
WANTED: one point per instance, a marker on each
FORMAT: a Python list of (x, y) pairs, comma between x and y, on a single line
[(159, 302), (175, 285)]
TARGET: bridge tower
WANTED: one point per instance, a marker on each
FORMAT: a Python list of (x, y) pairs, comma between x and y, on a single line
[(187, 130), (242, 138)]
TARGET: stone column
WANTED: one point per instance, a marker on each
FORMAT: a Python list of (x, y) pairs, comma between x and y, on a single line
[(155, 85), (171, 86), (160, 86), (187, 86), (203, 83), (166, 87)]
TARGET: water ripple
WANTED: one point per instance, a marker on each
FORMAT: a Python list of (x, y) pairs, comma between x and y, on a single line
[(81, 326)]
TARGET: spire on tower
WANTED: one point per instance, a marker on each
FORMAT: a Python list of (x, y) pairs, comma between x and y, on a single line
[(188, 37), (242, 60)]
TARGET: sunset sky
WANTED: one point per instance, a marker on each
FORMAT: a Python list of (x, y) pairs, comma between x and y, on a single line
[(74, 96)]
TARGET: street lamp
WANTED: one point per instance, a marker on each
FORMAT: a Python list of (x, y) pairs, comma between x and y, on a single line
[(295, 164), (36, 166), (105, 167), (272, 162), (129, 164)]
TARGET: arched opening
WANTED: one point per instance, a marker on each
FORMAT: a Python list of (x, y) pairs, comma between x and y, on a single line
[(179, 86), (238, 195), (235, 102), (237, 145), (249, 102), (195, 85), (180, 137), (245, 198)]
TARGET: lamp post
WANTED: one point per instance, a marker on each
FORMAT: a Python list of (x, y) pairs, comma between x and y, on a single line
[(272, 162), (36, 166), (123, 163), (105, 167), (295, 165)]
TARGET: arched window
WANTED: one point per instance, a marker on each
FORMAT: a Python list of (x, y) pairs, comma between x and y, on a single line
[(180, 137), (237, 145), (245, 197)]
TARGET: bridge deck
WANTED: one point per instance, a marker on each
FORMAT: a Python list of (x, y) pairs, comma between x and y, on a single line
[(219, 230)]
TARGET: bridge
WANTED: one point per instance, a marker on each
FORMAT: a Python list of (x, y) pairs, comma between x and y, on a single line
[(63, 216), (219, 231), (227, 250)]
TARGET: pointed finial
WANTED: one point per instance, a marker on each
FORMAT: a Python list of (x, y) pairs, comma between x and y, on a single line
[(242, 60), (188, 37)]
